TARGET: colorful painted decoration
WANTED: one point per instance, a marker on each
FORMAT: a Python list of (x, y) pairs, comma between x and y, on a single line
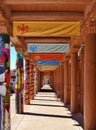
[(19, 85), (4, 82), (3, 90)]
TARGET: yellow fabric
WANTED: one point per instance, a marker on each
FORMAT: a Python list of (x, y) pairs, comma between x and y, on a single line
[(47, 66), (8, 63), (47, 73), (46, 28)]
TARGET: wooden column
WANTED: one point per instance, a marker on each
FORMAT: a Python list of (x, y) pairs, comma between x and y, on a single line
[(31, 80), (81, 71), (74, 95), (27, 88), (52, 80), (90, 82), (39, 78), (55, 81), (70, 81), (61, 81), (58, 83), (66, 81)]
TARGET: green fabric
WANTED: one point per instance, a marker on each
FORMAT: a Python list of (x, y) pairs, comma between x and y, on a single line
[(6, 38), (7, 98), (20, 55)]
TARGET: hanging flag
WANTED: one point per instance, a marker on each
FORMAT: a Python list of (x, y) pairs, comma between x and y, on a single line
[(48, 48), (46, 28), (38, 56), (47, 62)]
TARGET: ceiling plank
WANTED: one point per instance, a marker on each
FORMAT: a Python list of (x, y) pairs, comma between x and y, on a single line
[(12, 2), (47, 40), (47, 5), (39, 16)]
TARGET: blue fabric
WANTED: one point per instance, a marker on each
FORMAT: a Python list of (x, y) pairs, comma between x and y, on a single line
[(47, 62), (0, 113), (48, 48), (2, 69)]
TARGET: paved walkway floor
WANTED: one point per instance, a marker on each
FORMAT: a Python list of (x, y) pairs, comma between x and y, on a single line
[(44, 113)]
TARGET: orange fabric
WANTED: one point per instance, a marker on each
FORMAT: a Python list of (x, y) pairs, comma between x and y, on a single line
[(47, 56)]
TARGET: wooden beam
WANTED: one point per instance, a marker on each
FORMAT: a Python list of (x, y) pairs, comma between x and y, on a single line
[(47, 5), (5, 14), (45, 16), (2, 18), (18, 42), (12, 2), (90, 13), (47, 40)]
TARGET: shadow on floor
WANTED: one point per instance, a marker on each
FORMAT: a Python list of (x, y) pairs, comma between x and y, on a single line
[(40, 96), (77, 117), (46, 115), (46, 99), (46, 90), (47, 105), (74, 117)]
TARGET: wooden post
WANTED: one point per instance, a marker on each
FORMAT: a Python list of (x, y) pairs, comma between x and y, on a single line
[(74, 95), (90, 82)]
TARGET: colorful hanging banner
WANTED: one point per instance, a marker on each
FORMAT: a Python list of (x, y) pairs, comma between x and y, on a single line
[(19, 83), (46, 28), (46, 67), (4, 81), (47, 56), (48, 48), (47, 62)]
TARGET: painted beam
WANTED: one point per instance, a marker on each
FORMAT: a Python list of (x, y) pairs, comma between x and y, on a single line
[(47, 40), (38, 16)]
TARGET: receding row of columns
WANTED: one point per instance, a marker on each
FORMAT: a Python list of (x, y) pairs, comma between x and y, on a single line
[(73, 81), (69, 85), (79, 83)]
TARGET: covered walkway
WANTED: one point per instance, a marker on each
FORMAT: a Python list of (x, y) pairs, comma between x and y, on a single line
[(55, 41), (44, 113)]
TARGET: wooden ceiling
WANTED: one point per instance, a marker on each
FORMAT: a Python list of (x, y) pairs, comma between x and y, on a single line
[(47, 5), (45, 10), (66, 10)]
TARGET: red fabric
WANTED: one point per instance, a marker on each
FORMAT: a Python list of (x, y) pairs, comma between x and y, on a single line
[(8, 78), (39, 56)]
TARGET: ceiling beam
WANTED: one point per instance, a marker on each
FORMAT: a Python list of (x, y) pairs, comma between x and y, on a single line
[(18, 42), (45, 16), (12, 2), (2, 18), (47, 5), (47, 40)]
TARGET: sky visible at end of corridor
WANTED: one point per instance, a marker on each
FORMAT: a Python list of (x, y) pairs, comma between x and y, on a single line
[(12, 58)]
